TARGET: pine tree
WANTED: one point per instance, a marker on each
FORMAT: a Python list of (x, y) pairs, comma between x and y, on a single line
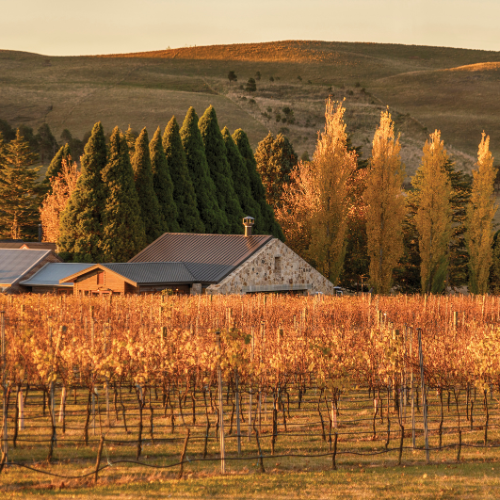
[(220, 171), (162, 182), (214, 219), (268, 225), (18, 190), (47, 143), (55, 167), (275, 159), (241, 179), (131, 136), (188, 217), (124, 233), (152, 216), (480, 214), (81, 227), (385, 205), (433, 217)]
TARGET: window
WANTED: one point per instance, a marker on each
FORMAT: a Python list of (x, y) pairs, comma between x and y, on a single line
[(277, 266), (100, 278)]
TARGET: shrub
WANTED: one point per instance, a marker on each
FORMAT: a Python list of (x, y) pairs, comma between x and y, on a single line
[(257, 75), (251, 86), (271, 79), (232, 76)]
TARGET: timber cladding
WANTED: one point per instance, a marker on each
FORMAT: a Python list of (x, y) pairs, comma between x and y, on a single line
[(104, 281)]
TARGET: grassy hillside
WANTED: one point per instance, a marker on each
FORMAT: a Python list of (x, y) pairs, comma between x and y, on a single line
[(455, 90)]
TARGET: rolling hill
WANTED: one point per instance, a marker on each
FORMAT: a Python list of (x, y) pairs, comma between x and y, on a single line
[(456, 90)]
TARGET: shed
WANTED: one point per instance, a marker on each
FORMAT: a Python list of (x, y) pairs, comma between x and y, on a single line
[(46, 280)]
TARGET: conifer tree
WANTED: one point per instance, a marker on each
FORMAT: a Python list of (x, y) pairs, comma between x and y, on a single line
[(162, 182), (494, 278), (385, 205), (220, 170), (131, 136), (55, 167), (433, 217), (275, 159), (18, 188), (47, 143), (241, 179), (268, 225), (81, 228), (184, 195), (152, 216), (123, 233), (480, 214), (214, 219)]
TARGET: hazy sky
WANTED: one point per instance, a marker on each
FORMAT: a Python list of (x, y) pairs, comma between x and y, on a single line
[(74, 27)]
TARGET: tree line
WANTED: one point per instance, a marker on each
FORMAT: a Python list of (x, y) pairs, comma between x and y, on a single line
[(194, 178), (355, 222)]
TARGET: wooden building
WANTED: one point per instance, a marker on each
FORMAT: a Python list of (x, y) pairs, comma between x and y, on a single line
[(46, 280)]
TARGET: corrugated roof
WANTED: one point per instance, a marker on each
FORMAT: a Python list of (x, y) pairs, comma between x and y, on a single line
[(51, 273), (32, 245), (14, 264), (153, 272), (224, 251), (208, 273)]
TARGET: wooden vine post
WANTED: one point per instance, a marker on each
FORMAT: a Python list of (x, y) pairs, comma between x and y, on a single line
[(424, 396), (5, 445), (221, 409)]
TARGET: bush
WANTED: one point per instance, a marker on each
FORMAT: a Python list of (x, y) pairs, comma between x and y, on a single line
[(232, 76), (252, 101), (350, 92), (251, 86), (271, 79), (257, 75), (299, 78), (358, 84), (269, 109), (278, 117)]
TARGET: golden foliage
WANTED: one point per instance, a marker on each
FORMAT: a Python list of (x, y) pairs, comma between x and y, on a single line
[(54, 203), (386, 206), (433, 218), (480, 213)]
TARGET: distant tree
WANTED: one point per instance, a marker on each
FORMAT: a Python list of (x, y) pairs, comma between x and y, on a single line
[(241, 180), (268, 225), (29, 136), (75, 144), (162, 182), (251, 86), (18, 188), (385, 205), (275, 159), (220, 170), (81, 227), (61, 186), (214, 219), (143, 174), (184, 193), (480, 214), (47, 144), (257, 76), (232, 76), (55, 167), (433, 217), (7, 131), (271, 79), (3, 149), (124, 233)]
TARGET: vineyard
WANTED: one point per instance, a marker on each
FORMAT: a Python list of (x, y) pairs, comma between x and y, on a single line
[(95, 386)]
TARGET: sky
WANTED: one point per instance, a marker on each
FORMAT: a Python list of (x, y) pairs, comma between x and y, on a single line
[(69, 27)]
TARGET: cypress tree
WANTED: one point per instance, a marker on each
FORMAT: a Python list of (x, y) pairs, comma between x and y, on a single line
[(220, 171), (188, 217), (241, 178), (18, 188), (131, 136), (81, 228), (162, 183), (213, 217), (123, 234), (55, 167), (269, 225), (143, 174)]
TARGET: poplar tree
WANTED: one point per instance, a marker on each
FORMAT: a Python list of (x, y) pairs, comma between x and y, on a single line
[(123, 234), (162, 182), (152, 216), (385, 205), (214, 219), (184, 195), (81, 228), (480, 214), (241, 180), (220, 171), (268, 225), (18, 188), (433, 217)]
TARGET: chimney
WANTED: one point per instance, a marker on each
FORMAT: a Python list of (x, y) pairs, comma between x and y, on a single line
[(248, 222), (40, 232)]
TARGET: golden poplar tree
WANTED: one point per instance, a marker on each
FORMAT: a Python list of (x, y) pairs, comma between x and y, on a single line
[(316, 203), (385, 205), (433, 217), (480, 213)]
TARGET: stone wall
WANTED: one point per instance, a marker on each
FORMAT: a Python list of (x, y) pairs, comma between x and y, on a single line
[(273, 268)]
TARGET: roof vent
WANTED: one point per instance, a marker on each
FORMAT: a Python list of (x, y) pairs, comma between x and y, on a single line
[(248, 222)]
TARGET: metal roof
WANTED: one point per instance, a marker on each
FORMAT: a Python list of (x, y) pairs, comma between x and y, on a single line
[(221, 249), (51, 273), (207, 273), (31, 245), (14, 264), (152, 272)]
